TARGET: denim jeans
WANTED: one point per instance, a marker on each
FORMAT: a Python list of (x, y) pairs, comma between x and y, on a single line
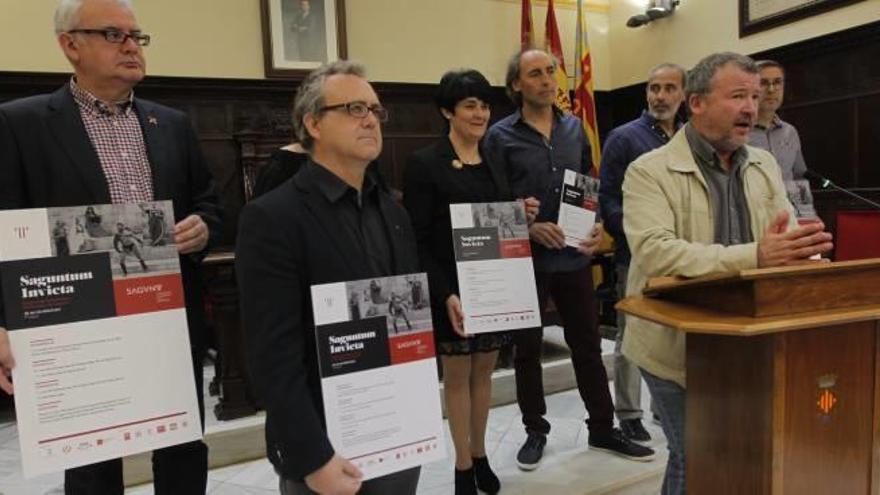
[(669, 399)]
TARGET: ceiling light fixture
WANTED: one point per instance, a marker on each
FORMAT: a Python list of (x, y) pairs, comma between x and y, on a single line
[(657, 9)]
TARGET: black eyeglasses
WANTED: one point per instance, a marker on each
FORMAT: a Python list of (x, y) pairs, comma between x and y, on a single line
[(767, 83), (360, 109), (117, 36)]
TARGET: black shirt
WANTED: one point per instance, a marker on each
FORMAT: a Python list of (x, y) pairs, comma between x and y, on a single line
[(535, 166), (359, 214)]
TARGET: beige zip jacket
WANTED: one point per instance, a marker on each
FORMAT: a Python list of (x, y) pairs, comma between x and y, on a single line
[(669, 224)]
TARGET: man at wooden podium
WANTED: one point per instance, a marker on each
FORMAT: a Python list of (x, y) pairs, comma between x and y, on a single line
[(704, 203)]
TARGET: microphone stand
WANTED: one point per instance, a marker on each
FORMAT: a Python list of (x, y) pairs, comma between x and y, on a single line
[(825, 183)]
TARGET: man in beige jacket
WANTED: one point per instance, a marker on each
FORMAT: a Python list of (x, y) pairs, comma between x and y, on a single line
[(704, 203)]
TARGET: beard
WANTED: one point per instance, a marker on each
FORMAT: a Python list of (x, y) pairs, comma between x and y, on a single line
[(665, 113)]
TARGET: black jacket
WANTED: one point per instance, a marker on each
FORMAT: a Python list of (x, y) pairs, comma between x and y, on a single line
[(47, 160), (431, 184), (289, 240)]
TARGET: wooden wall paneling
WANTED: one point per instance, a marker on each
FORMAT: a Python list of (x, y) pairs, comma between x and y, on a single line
[(868, 139), (621, 106), (826, 130), (221, 156)]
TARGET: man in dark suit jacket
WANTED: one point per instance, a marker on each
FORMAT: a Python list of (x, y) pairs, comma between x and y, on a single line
[(55, 151), (332, 222)]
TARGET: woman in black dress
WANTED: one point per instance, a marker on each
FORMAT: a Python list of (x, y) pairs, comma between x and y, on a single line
[(453, 171), (284, 163)]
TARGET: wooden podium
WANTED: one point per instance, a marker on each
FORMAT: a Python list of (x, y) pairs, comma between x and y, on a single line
[(783, 394)]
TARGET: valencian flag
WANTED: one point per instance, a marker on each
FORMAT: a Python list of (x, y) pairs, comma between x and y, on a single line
[(553, 45), (584, 103), (527, 27)]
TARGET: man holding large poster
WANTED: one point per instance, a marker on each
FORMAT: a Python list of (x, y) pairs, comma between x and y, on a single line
[(93, 142), (333, 222)]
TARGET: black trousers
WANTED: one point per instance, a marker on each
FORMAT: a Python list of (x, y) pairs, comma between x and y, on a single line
[(574, 297), (179, 470)]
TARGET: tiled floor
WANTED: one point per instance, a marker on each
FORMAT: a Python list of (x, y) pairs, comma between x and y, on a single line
[(569, 467)]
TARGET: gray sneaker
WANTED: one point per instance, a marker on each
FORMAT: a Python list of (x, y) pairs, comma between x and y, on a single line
[(529, 455)]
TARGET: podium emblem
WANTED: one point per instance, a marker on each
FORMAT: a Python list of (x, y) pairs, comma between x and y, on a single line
[(826, 398)]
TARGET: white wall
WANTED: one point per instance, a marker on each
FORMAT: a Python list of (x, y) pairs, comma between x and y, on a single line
[(701, 27), (398, 40)]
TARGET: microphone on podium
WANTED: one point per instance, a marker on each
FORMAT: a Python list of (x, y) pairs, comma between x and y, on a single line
[(826, 183)]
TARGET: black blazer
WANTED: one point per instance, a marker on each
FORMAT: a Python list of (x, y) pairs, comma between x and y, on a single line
[(47, 160), (431, 184), (288, 240)]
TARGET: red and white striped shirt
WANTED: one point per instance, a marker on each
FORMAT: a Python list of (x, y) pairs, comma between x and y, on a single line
[(119, 142)]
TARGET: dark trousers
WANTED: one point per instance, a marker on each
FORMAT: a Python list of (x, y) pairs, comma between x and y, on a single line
[(402, 483), (179, 470), (573, 295)]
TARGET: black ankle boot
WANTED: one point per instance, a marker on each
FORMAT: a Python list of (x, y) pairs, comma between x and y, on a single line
[(464, 482), (486, 479)]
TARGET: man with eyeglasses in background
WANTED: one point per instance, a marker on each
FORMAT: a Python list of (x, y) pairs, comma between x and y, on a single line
[(772, 133), (93, 142), (335, 221), (781, 139)]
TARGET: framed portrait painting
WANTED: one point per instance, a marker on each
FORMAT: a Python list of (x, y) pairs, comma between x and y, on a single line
[(299, 35), (760, 15)]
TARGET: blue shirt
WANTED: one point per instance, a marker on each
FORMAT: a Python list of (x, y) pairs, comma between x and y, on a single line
[(623, 145), (535, 167)]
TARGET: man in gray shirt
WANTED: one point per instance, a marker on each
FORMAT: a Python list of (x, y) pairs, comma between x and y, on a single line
[(781, 138), (772, 133)]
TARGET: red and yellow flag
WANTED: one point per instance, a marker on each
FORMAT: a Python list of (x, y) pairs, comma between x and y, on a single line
[(527, 27), (553, 45), (584, 102)]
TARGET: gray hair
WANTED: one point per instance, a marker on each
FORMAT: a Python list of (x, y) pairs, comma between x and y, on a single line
[(669, 66), (513, 73), (67, 13), (310, 95), (699, 79)]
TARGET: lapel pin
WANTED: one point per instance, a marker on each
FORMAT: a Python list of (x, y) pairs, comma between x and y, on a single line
[(153, 120)]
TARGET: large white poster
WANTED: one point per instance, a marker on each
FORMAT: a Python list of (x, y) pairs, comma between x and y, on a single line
[(496, 278), (379, 378), (577, 207), (94, 305)]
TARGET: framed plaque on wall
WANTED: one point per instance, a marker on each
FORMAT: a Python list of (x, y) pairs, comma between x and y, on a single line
[(300, 35), (760, 15)]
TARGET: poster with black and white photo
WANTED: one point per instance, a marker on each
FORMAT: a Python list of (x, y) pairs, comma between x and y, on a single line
[(578, 206), (801, 197), (493, 259), (375, 343), (94, 305)]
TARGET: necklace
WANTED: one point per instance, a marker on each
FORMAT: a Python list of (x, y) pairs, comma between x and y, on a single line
[(458, 164)]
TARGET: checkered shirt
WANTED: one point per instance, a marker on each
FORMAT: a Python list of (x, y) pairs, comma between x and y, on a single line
[(119, 142)]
